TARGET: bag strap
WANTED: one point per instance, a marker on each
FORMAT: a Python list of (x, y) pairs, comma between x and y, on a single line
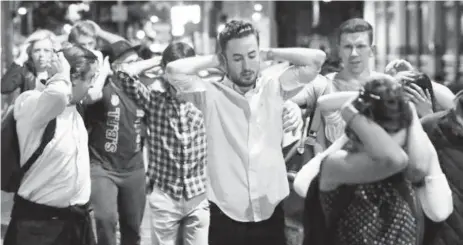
[(47, 136)]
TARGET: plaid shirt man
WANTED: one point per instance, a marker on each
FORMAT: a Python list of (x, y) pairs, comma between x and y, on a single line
[(177, 140)]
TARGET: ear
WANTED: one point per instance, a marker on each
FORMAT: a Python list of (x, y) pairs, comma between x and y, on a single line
[(373, 50)]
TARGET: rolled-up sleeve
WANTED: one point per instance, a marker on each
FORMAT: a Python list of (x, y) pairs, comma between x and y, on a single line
[(186, 83), (52, 101)]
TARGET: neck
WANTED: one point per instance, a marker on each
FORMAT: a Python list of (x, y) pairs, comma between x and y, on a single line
[(243, 90), (39, 70), (355, 76)]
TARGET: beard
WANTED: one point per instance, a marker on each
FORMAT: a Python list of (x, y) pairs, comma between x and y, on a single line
[(242, 81)]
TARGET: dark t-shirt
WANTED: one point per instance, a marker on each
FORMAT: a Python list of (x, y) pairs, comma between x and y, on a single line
[(116, 128)]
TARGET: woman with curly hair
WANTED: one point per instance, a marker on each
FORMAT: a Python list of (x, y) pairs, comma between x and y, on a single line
[(368, 177)]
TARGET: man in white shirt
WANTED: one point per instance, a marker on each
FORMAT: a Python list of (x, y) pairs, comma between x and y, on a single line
[(243, 116), (51, 206)]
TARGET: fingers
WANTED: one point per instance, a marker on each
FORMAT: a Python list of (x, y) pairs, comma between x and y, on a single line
[(418, 89), (428, 94), (414, 95)]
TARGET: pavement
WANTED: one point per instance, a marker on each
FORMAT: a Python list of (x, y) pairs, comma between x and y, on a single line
[(293, 229)]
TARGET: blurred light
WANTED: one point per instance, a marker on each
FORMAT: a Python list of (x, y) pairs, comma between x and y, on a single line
[(203, 73), (256, 16), (220, 27), (183, 14), (258, 7), (154, 19), (196, 20), (67, 28), (22, 11), (140, 34), (84, 7), (178, 30), (326, 1)]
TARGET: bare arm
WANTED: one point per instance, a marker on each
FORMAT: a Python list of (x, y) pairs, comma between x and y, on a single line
[(182, 73), (335, 101), (307, 65), (312, 58), (311, 169), (108, 36), (444, 97), (382, 156)]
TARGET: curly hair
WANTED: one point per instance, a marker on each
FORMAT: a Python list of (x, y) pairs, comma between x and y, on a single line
[(233, 30), (382, 100), (36, 36)]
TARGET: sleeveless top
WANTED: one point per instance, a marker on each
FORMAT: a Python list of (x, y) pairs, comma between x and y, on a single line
[(377, 214)]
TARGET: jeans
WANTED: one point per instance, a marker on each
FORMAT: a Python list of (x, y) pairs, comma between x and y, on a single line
[(169, 217), (118, 197)]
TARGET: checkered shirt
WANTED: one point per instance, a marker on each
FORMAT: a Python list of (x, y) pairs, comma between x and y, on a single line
[(177, 140)]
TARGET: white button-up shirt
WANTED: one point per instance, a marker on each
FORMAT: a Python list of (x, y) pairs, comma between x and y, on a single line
[(246, 169), (61, 175)]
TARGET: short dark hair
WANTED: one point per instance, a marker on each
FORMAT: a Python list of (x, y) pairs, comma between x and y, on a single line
[(235, 29), (80, 59), (355, 25), (382, 100), (175, 51), (84, 28)]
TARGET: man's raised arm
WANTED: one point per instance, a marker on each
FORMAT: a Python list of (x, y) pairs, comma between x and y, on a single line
[(182, 73), (306, 62)]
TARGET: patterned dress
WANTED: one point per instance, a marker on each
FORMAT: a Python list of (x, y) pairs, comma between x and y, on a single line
[(378, 214)]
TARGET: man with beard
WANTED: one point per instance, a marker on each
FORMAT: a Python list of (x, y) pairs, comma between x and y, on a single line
[(445, 130), (243, 114)]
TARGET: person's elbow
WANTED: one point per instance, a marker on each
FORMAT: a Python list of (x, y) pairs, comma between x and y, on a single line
[(319, 57), (441, 214), (396, 162), (173, 68)]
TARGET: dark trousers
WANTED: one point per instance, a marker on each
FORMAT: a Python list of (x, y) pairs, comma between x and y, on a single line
[(38, 224), (118, 197), (225, 231)]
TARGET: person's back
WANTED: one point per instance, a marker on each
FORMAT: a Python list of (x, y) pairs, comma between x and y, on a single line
[(446, 134)]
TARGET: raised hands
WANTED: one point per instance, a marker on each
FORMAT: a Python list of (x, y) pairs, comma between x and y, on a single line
[(59, 64), (397, 66), (292, 117)]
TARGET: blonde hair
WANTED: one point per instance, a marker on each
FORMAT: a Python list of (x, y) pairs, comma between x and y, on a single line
[(40, 35), (36, 36)]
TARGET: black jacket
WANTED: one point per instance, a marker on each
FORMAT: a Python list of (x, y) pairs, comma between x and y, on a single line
[(447, 137)]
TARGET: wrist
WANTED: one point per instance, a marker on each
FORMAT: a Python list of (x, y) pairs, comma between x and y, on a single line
[(348, 113)]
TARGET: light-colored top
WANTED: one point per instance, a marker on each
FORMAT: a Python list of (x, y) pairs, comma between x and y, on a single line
[(246, 169), (61, 175)]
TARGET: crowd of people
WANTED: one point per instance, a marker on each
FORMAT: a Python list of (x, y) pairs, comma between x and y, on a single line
[(385, 168)]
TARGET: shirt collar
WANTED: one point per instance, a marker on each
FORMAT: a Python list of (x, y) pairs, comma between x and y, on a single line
[(227, 82)]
